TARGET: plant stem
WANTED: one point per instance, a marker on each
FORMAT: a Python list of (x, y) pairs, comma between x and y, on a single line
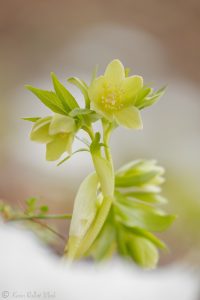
[(106, 139), (31, 217), (90, 131), (101, 166)]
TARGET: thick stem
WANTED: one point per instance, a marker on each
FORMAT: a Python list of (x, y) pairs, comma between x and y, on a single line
[(105, 171), (107, 130)]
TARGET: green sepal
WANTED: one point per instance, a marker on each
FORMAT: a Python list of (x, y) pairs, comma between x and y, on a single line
[(83, 88), (49, 99), (68, 101), (150, 99)]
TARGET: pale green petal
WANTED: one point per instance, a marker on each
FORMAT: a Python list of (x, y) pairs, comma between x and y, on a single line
[(115, 72), (61, 124), (129, 117), (57, 147), (40, 131), (131, 86), (96, 89), (84, 206)]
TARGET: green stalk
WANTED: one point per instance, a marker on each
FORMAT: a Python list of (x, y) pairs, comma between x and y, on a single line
[(105, 171), (31, 217)]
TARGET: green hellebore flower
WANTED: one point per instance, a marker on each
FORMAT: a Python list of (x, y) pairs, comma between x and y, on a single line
[(113, 95), (56, 132)]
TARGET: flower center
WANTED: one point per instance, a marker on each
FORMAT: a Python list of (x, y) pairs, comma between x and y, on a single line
[(112, 99)]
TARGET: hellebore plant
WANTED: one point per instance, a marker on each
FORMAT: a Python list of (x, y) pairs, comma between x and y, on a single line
[(114, 211)]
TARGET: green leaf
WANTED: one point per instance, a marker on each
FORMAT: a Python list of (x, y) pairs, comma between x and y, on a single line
[(133, 214), (151, 99), (105, 244), (31, 119), (146, 234), (49, 99), (69, 156), (139, 173), (143, 252), (68, 101), (83, 88), (44, 209), (96, 226), (150, 197), (83, 213), (31, 205), (144, 92)]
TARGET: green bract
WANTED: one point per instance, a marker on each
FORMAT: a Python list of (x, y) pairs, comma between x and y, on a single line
[(113, 95), (56, 132), (114, 212)]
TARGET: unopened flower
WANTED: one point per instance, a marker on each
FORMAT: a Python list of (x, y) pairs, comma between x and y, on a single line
[(113, 95), (56, 132)]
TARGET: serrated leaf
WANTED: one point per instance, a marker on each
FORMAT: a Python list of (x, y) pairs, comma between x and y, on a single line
[(139, 173), (67, 99), (146, 196), (151, 99), (83, 88), (139, 180), (133, 214), (49, 99)]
